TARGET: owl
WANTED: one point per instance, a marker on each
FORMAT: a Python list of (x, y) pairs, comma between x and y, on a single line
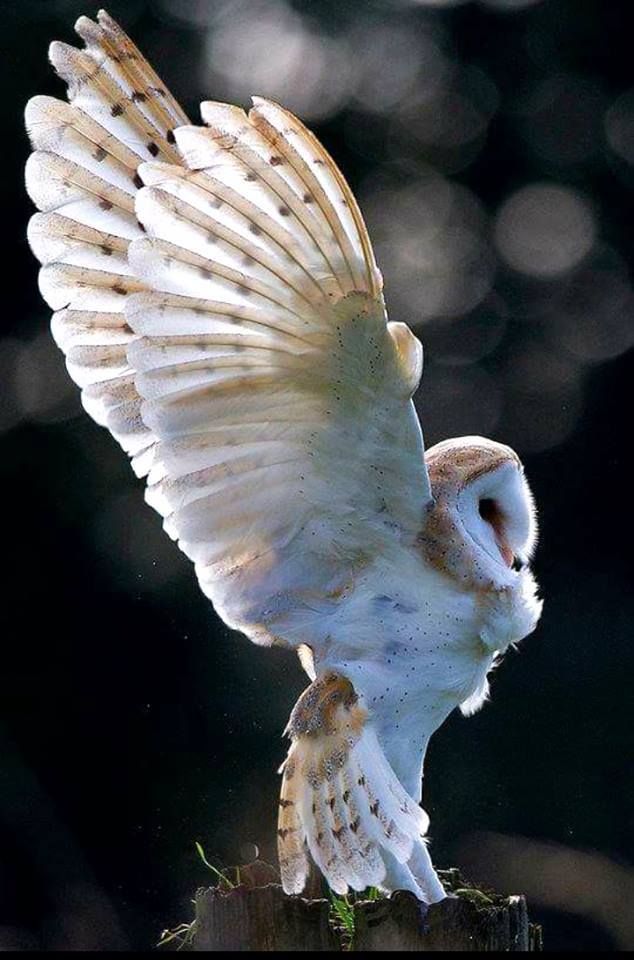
[(218, 302)]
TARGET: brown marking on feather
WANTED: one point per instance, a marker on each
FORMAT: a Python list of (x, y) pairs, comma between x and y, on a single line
[(153, 148), (313, 777), (276, 161), (453, 465), (105, 204), (139, 97), (100, 154), (324, 726), (116, 110), (318, 707), (289, 770)]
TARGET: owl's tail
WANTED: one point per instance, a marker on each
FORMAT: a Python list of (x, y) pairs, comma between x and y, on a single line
[(342, 804)]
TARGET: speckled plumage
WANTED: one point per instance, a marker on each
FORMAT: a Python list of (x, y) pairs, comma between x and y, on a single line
[(219, 305)]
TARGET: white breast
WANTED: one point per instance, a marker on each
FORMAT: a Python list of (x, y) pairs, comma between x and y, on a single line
[(423, 657)]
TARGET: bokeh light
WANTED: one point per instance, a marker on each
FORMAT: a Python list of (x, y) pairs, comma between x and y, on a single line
[(544, 229), (266, 47), (429, 239), (413, 60), (445, 122), (619, 126), (595, 320)]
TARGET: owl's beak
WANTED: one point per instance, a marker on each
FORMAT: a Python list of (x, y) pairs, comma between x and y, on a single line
[(507, 554)]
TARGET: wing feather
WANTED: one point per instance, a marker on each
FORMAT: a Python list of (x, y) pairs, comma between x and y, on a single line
[(218, 301), (321, 173), (83, 175)]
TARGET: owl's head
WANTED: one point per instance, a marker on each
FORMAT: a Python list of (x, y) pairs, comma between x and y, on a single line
[(480, 487)]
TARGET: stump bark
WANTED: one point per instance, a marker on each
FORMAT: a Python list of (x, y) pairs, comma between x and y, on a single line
[(264, 918)]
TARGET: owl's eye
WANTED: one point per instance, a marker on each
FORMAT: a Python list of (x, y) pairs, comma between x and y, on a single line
[(489, 510), (491, 514)]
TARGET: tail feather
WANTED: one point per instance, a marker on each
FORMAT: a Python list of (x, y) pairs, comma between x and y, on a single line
[(341, 801)]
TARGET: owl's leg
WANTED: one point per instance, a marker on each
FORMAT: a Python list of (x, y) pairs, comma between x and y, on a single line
[(398, 876), (422, 868), (418, 876)]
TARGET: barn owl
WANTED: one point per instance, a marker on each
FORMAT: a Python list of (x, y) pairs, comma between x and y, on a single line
[(216, 296)]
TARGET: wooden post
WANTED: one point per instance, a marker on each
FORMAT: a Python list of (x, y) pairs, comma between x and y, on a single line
[(263, 918), (455, 924)]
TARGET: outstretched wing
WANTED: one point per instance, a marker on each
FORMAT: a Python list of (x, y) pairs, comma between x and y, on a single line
[(218, 302)]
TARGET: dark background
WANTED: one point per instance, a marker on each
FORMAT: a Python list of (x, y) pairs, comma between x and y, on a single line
[(491, 145)]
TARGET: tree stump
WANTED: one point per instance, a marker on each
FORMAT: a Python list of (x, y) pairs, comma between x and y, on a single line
[(263, 918)]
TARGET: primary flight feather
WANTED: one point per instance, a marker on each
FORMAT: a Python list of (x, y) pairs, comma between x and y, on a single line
[(218, 302)]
